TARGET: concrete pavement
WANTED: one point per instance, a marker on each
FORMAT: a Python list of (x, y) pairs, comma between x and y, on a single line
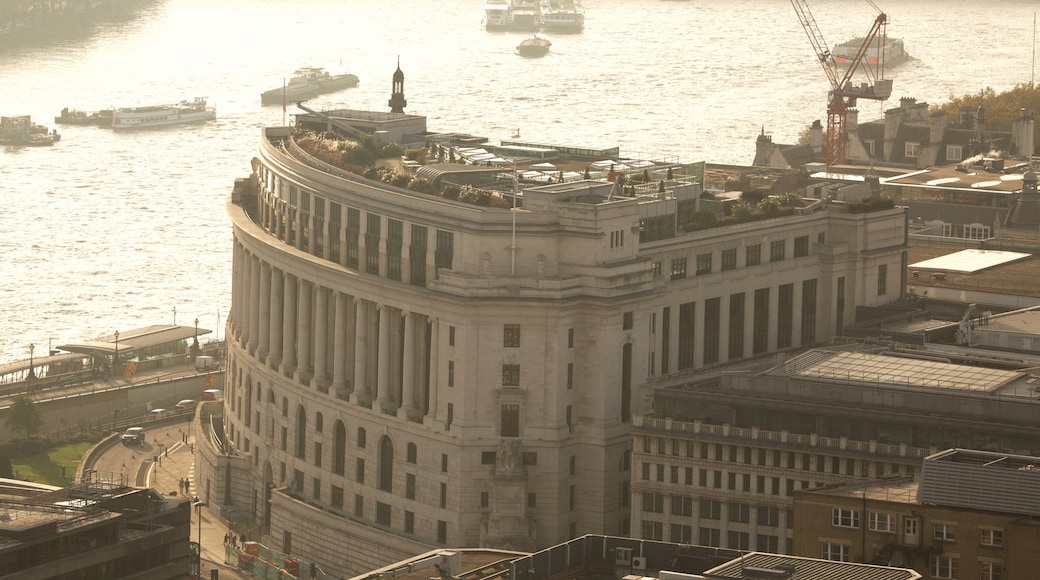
[(175, 464)]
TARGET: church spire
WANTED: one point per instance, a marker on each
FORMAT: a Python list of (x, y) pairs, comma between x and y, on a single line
[(397, 100)]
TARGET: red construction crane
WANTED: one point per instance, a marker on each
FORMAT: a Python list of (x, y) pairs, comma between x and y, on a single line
[(843, 93)]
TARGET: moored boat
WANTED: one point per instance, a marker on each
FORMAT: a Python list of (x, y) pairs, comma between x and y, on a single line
[(534, 46), (308, 82), (496, 15), (562, 15), (20, 130), (69, 116), (524, 15), (185, 112), (891, 49)]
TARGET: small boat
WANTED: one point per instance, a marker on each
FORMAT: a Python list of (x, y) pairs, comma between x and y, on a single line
[(69, 116), (534, 46), (308, 82), (890, 48), (562, 15), (181, 113), (19, 130)]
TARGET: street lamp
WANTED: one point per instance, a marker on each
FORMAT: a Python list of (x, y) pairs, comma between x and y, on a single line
[(32, 373), (195, 345), (198, 514), (115, 359)]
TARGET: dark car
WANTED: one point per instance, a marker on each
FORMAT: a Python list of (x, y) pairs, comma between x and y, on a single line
[(133, 436)]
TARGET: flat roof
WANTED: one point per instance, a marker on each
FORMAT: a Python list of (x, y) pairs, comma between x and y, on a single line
[(135, 339), (970, 260), (974, 179), (893, 370), (807, 568)]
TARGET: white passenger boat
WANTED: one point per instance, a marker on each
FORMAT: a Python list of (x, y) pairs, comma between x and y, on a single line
[(195, 111), (497, 15), (562, 15)]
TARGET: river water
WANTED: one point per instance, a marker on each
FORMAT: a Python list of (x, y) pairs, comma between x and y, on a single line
[(109, 231)]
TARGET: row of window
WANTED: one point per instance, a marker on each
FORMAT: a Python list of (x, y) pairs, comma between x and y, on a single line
[(708, 536), (715, 479), (752, 257), (886, 522)]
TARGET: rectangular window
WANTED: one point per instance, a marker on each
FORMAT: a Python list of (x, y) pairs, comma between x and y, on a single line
[(383, 514), (359, 474), (869, 145), (777, 250), (444, 495), (711, 330), (409, 522), (801, 246), (678, 268), (532, 500), (451, 373), (510, 421), (653, 530), (442, 532), (767, 543), (655, 268), (729, 259), (409, 486), (845, 518), (372, 235), (736, 326), (882, 279), (991, 537), (653, 502), (394, 244), (703, 264), (991, 571), (359, 506), (682, 505), (709, 537), (942, 566), (768, 516), (881, 522), (417, 256), (710, 509), (760, 340), (627, 320), (682, 534), (738, 540), (785, 316), (445, 252), (337, 497), (451, 336), (739, 512), (665, 338), (910, 150), (510, 375), (570, 375), (570, 338), (953, 152), (834, 552), (753, 255), (511, 336), (808, 311), (687, 332), (944, 532)]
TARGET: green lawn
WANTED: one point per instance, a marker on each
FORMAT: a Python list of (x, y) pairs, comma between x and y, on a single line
[(46, 467)]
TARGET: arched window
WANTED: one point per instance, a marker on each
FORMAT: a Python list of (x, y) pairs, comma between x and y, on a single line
[(386, 464), (361, 437), (270, 396), (301, 432), (413, 453), (339, 449)]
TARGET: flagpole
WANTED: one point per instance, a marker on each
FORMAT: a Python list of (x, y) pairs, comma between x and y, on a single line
[(283, 102)]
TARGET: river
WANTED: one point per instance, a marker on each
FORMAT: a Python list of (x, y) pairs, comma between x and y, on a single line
[(108, 231)]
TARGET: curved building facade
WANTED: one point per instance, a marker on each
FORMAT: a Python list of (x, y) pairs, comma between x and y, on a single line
[(408, 372)]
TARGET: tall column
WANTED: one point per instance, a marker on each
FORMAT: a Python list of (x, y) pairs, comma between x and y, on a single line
[(275, 316), (435, 375), (408, 365), (289, 327), (264, 330), (321, 338), (361, 352), (339, 346), (254, 304), (236, 290), (304, 332), (383, 397)]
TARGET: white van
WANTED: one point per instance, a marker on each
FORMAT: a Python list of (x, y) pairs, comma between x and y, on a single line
[(205, 363)]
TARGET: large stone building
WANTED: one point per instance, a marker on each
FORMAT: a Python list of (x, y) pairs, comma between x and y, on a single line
[(407, 371), (720, 459)]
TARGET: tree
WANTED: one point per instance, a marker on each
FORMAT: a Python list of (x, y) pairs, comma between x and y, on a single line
[(1001, 108), (24, 415)]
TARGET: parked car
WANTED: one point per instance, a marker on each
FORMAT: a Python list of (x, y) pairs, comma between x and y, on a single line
[(187, 404), (212, 395), (133, 436)]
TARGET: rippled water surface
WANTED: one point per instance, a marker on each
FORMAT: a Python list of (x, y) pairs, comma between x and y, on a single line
[(109, 231)]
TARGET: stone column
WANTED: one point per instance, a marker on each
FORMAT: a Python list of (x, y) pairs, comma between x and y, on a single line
[(435, 374), (304, 332), (264, 329), (289, 327), (236, 290), (254, 304), (275, 315), (408, 365), (321, 337), (361, 352), (339, 346), (384, 398)]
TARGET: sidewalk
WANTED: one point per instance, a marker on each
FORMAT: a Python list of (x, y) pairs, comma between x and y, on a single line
[(176, 464)]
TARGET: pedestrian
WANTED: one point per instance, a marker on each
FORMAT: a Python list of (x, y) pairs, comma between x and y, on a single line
[(226, 539)]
